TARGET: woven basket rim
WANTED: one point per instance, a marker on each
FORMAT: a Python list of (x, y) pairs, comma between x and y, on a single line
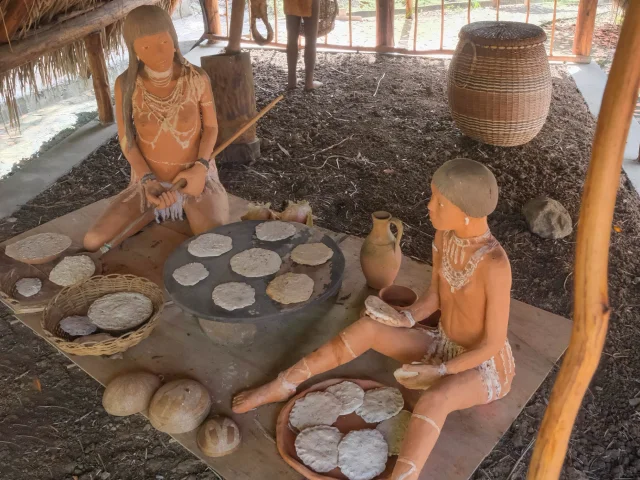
[(503, 34), (112, 345)]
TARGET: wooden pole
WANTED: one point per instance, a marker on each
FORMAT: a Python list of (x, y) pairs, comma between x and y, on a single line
[(237, 22), (591, 303), (100, 77), (15, 15), (24, 51), (384, 23), (585, 23), (212, 18)]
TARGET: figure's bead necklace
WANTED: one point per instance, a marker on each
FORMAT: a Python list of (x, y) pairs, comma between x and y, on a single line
[(159, 79)]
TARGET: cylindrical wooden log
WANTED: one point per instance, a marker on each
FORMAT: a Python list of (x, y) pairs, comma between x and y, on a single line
[(211, 18), (585, 24), (232, 84), (591, 303), (235, 29), (384, 23), (100, 77)]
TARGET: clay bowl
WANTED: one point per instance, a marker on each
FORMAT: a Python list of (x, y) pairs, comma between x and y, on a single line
[(286, 437), (398, 296)]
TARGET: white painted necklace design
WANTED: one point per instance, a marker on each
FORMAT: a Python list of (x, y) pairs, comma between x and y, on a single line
[(159, 79), (454, 250)]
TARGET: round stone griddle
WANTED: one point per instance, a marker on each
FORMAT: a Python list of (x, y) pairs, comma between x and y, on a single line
[(197, 299)]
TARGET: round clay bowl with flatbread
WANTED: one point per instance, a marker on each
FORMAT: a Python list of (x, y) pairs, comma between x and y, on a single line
[(286, 437)]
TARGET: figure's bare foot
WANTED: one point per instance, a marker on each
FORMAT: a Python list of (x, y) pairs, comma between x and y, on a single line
[(271, 392), (313, 86)]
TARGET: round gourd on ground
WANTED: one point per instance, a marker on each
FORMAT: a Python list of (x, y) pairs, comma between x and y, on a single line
[(179, 406), (218, 436), (130, 393)]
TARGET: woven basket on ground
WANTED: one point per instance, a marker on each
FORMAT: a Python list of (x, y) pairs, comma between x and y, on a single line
[(499, 82), (75, 300), (326, 18)]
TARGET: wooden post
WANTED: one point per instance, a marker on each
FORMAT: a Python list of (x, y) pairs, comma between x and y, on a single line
[(232, 84), (211, 14), (237, 22), (591, 303), (384, 23), (100, 77), (585, 23)]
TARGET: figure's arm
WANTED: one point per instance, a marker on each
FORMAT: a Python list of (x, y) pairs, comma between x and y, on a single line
[(429, 302), (131, 153), (209, 120), (497, 287)]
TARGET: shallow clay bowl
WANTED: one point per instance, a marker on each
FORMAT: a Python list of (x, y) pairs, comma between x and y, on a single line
[(396, 296), (286, 437)]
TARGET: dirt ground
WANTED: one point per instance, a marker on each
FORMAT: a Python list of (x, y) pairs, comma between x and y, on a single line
[(361, 143)]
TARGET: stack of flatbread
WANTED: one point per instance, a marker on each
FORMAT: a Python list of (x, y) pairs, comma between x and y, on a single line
[(360, 454)]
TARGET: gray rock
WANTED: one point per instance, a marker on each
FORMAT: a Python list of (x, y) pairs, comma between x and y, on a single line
[(547, 218)]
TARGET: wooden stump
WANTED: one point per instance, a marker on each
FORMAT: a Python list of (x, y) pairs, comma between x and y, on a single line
[(232, 83)]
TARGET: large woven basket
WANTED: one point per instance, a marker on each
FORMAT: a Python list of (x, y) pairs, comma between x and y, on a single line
[(326, 18), (499, 82), (75, 300)]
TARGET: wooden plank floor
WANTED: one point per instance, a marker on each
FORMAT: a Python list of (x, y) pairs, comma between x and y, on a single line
[(178, 348)]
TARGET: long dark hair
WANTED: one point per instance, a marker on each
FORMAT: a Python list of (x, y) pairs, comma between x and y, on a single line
[(141, 22)]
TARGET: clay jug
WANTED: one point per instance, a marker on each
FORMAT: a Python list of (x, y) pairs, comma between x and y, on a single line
[(380, 255)]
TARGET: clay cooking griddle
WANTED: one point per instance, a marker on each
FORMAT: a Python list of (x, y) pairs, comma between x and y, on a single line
[(197, 299)]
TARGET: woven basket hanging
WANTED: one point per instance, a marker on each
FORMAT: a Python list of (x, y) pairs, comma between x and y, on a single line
[(326, 18), (499, 82)]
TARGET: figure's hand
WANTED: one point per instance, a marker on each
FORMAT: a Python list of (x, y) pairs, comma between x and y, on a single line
[(158, 195), (196, 177), (422, 376)]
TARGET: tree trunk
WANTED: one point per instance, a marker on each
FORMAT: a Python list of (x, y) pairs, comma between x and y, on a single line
[(100, 77), (232, 84)]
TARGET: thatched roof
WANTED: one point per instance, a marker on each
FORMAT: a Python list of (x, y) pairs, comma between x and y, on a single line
[(69, 61)]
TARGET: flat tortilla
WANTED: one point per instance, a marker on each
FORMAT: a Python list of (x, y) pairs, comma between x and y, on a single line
[(394, 429), (77, 326), (275, 231), (210, 245), (312, 254), (28, 287), (315, 408), (120, 311), (190, 274), (381, 312), (38, 246), (362, 454), (256, 262), (234, 296), (350, 395), (317, 447), (290, 288), (380, 404), (72, 270)]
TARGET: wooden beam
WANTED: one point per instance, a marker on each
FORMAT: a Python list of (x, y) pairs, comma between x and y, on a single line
[(585, 23), (237, 22), (24, 51), (100, 77), (384, 23), (16, 14), (591, 300)]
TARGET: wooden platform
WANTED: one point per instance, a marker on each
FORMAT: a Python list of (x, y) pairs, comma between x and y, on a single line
[(178, 348)]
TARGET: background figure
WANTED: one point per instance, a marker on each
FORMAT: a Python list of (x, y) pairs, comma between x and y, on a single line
[(298, 11)]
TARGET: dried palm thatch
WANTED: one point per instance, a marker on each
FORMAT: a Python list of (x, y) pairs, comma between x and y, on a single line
[(69, 62)]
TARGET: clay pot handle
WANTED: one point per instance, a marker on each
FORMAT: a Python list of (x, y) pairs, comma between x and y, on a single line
[(400, 227)]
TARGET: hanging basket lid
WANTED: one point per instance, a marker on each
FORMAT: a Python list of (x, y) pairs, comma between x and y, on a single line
[(503, 34)]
